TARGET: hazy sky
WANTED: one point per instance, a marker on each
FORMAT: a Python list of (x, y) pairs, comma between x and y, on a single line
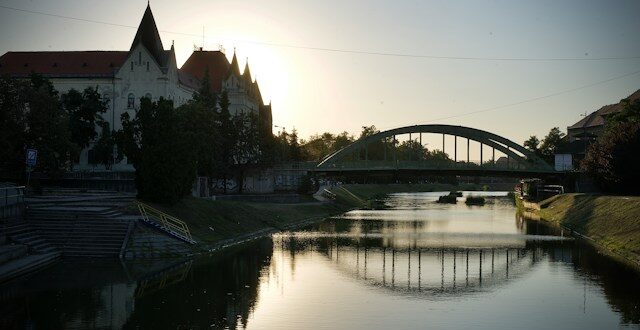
[(316, 91)]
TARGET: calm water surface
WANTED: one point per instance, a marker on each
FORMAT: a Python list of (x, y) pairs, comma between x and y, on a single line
[(415, 264)]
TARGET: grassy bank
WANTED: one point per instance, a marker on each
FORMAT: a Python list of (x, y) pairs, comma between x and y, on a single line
[(360, 195), (213, 222), (613, 222)]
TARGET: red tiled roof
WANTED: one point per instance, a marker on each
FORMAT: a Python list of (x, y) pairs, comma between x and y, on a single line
[(215, 61), (596, 118), (63, 64), (188, 80)]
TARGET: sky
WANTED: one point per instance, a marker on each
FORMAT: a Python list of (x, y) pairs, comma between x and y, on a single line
[(515, 68)]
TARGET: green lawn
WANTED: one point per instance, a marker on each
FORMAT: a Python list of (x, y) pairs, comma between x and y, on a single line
[(213, 221), (612, 221)]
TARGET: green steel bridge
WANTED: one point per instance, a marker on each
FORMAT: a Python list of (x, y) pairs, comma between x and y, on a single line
[(355, 158)]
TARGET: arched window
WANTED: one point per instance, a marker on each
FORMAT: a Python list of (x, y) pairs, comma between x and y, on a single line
[(131, 65), (147, 65), (139, 58), (131, 101), (148, 95), (105, 98)]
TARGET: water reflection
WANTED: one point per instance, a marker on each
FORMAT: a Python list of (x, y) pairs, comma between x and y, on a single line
[(415, 265)]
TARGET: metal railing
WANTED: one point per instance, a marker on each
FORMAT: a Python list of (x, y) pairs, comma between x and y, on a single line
[(433, 164), (168, 223), (12, 201)]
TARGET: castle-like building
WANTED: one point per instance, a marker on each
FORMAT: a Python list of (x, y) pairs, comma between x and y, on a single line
[(145, 70)]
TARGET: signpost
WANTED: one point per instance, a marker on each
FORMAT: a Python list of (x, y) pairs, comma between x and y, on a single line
[(32, 159)]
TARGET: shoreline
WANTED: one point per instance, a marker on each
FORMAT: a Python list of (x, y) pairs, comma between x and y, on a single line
[(553, 212)]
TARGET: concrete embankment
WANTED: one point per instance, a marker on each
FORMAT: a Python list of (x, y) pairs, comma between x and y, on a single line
[(219, 224), (610, 222)]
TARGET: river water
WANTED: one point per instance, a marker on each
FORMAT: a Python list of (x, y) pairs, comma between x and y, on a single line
[(413, 264)]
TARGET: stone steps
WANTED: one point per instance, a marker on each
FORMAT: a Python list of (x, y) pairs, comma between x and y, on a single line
[(81, 233), (26, 264)]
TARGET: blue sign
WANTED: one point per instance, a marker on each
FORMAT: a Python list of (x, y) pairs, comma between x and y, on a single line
[(32, 157)]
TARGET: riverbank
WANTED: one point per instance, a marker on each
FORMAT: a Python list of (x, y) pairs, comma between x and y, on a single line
[(610, 222), (218, 224)]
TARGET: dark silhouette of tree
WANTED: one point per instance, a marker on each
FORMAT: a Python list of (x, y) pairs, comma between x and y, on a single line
[(612, 158), (84, 109)]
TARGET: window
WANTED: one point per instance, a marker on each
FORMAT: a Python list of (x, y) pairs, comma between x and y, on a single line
[(148, 95), (131, 101), (105, 98), (147, 65), (131, 65), (139, 58)]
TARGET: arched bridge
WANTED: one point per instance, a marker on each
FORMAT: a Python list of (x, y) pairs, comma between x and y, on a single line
[(382, 152)]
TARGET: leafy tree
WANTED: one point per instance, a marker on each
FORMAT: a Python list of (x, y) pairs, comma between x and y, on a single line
[(412, 150), (84, 111), (46, 126), (609, 159), (12, 126), (199, 121), (551, 143), (103, 149), (160, 151), (532, 144)]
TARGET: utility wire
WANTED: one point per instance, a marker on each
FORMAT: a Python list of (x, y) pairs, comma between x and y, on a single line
[(536, 98), (349, 51)]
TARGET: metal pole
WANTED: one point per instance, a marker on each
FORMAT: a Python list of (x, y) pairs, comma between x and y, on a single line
[(455, 148), (442, 142), (481, 154), (468, 150)]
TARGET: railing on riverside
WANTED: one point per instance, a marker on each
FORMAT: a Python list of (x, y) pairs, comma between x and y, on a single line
[(328, 194), (11, 201), (432, 164), (166, 222)]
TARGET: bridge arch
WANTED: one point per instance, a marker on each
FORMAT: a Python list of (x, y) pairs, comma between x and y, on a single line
[(513, 150)]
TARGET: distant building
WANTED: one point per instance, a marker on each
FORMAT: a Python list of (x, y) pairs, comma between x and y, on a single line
[(581, 134), (244, 93), (145, 70)]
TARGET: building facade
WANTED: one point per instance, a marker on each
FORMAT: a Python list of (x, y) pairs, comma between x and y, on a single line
[(147, 69)]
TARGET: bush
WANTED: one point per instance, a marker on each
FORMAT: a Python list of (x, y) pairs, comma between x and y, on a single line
[(448, 199), (475, 200)]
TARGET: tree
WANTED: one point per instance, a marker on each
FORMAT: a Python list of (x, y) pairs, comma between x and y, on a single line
[(84, 110), (47, 127), (611, 158), (532, 144), (551, 144), (162, 155), (103, 149), (12, 126)]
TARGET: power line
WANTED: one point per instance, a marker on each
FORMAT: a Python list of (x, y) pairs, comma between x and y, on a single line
[(536, 98), (350, 51)]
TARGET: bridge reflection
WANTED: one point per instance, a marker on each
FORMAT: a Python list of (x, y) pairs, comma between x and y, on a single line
[(420, 270)]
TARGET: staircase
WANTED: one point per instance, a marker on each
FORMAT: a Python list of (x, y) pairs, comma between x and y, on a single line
[(82, 231), (26, 253)]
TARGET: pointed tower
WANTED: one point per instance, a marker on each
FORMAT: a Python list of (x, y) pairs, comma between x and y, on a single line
[(235, 67), (247, 73), (149, 37)]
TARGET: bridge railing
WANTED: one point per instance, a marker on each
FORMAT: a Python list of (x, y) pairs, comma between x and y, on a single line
[(430, 164)]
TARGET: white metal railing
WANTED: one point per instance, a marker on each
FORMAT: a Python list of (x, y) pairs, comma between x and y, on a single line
[(167, 222)]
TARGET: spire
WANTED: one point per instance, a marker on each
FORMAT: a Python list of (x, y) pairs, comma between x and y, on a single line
[(235, 67), (247, 72), (149, 37)]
